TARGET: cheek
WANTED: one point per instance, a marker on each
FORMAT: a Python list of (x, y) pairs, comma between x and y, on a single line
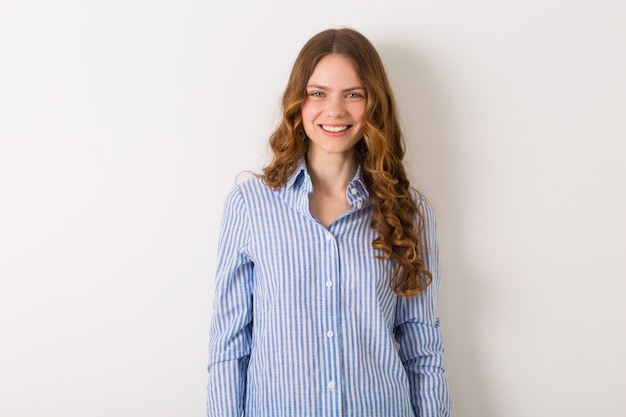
[(308, 112), (307, 118), (358, 112)]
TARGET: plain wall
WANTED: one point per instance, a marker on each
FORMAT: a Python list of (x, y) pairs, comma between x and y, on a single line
[(123, 124)]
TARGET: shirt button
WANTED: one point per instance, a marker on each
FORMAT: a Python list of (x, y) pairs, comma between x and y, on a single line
[(329, 236), (359, 205), (330, 333), (329, 284), (331, 385), (354, 191)]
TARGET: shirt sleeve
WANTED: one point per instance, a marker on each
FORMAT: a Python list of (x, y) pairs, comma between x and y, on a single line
[(419, 336), (231, 325)]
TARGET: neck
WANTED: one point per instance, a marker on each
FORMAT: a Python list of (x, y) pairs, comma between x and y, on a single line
[(331, 172)]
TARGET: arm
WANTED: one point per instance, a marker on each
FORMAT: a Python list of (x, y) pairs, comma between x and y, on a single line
[(231, 325), (418, 334)]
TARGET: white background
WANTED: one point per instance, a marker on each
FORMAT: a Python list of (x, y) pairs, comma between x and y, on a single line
[(123, 124)]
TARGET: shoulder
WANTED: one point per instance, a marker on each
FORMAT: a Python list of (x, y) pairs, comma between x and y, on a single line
[(252, 185), (249, 186), (420, 200), (424, 208), (249, 192)]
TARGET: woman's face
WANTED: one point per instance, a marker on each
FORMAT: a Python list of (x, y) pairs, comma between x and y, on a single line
[(332, 114)]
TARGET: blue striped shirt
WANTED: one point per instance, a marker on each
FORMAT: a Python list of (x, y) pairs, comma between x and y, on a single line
[(305, 323)]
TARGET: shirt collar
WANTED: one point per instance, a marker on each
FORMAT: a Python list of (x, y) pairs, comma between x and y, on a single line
[(298, 175), (300, 179), (357, 191)]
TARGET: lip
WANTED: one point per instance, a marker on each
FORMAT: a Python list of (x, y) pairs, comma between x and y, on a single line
[(334, 125)]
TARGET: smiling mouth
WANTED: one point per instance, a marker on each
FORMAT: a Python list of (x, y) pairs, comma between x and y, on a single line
[(335, 129)]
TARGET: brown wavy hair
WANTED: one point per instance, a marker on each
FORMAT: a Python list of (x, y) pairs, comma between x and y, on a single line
[(379, 152)]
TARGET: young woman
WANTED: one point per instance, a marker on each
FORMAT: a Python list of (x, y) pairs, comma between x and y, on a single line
[(328, 268)]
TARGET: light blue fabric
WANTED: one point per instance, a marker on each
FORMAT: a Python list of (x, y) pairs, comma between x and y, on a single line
[(305, 323)]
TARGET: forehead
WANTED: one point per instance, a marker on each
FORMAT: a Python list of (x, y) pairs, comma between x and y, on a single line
[(335, 69)]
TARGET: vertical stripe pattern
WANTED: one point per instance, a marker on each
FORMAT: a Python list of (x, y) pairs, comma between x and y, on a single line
[(305, 323)]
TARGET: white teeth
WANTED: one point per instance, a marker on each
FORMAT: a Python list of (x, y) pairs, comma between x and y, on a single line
[(334, 129)]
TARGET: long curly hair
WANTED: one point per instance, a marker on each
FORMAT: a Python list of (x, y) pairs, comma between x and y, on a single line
[(396, 217)]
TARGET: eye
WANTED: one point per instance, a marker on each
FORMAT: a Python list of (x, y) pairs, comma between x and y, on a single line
[(354, 95), (316, 94)]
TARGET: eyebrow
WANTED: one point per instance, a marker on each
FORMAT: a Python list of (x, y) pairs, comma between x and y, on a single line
[(321, 87)]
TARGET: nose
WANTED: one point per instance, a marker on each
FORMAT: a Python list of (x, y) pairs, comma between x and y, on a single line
[(336, 107)]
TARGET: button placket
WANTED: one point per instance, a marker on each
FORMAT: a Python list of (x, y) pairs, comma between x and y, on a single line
[(332, 348)]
